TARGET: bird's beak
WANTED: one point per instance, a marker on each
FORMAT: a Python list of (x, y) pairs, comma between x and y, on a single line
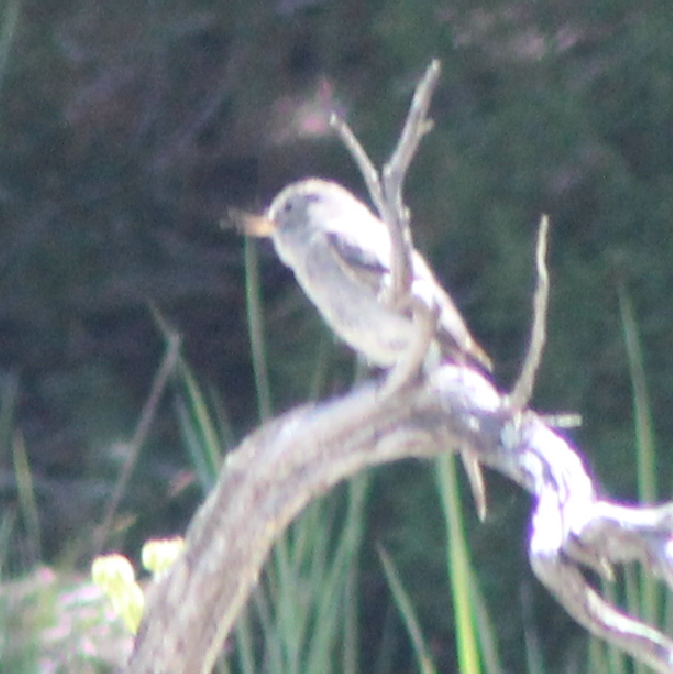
[(256, 225)]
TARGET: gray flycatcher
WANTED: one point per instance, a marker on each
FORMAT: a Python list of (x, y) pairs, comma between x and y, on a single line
[(339, 252)]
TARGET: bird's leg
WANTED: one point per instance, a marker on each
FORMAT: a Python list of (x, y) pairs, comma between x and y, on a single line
[(411, 361)]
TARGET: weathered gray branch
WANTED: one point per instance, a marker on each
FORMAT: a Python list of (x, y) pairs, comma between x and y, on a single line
[(523, 389), (301, 455)]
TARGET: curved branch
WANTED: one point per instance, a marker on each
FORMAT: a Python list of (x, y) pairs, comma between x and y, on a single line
[(277, 470), (264, 484)]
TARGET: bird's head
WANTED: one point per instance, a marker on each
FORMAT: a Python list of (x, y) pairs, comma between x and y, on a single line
[(298, 208), (307, 204)]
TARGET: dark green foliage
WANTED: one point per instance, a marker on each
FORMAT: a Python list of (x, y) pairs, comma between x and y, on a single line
[(127, 129)]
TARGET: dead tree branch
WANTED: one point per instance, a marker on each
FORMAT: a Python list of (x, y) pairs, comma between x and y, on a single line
[(523, 389), (387, 197), (277, 470)]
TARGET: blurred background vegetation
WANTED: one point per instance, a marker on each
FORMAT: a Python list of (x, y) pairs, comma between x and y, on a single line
[(128, 129)]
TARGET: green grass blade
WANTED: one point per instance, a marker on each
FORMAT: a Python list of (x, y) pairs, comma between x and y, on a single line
[(406, 609), (337, 577), (26, 492), (7, 524), (613, 657), (488, 639), (647, 606), (534, 656), (458, 566), (199, 430), (255, 316), (245, 647), (350, 638), (647, 489), (223, 427)]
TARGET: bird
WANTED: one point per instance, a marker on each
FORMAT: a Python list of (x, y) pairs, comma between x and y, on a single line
[(340, 253)]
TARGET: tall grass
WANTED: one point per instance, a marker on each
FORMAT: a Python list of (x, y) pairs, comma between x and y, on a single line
[(635, 589)]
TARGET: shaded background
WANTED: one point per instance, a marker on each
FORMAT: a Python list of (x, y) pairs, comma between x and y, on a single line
[(128, 129)]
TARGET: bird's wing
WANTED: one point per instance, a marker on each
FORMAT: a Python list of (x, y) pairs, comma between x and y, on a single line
[(364, 255), (363, 258), (452, 332)]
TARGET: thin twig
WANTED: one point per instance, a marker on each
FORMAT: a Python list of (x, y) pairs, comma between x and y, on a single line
[(394, 173), (415, 127), (387, 197), (255, 316), (523, 389), (364, 163), (147, 416), (563, 420)]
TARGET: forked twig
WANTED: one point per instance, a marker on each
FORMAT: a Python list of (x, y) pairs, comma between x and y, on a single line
[(387, 197)]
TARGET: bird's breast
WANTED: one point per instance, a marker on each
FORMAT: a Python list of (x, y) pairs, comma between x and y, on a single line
[(351, 308)]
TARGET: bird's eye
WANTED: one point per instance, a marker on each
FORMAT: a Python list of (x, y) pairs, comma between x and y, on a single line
[(288, 207)]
